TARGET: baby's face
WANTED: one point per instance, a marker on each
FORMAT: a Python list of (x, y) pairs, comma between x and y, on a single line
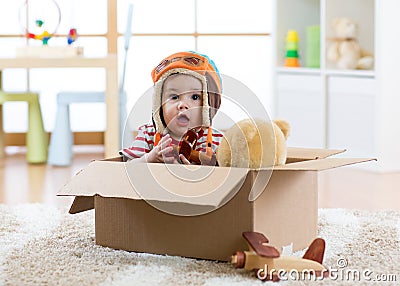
[(182, 103)]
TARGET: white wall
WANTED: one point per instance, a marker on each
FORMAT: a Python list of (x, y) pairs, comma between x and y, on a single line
[(388, 64)]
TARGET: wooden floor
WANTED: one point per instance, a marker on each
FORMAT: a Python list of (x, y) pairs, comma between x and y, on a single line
[(339, 188), (21, 182)]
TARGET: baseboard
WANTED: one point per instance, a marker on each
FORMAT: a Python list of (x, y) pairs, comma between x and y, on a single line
[(80, 138)]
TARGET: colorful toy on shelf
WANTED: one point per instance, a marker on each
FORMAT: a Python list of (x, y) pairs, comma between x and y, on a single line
[(292, 49), (40, 19), (313, 47), (268, 263)]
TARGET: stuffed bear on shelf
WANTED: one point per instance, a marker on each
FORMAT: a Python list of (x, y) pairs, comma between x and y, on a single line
[(344, 50), (254, 143)]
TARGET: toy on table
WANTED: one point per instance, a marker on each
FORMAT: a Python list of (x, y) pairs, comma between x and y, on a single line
[(265, 258), (40, 19), (187, 148), (292, 49), (72, 36)]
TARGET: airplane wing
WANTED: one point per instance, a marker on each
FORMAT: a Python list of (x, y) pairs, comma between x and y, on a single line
[(257, 242)]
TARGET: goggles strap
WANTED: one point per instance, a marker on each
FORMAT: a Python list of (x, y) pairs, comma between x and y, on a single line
[(209, 150), (157, 139)]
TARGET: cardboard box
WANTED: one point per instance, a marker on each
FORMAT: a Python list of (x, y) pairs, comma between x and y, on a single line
[(133, 204)]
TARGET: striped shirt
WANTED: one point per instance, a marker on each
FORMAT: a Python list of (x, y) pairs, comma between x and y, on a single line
[(144, 141)]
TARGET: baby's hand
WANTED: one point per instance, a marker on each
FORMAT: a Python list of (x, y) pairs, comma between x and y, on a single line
[(158, 153), (182, 160)]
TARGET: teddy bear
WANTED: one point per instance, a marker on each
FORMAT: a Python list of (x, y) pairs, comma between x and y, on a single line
[(254, 143), (344, 50)]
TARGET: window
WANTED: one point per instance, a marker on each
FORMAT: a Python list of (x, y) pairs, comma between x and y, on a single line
[(235, 34)]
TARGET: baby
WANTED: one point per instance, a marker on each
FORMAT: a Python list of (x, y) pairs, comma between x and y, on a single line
[(187, 95)]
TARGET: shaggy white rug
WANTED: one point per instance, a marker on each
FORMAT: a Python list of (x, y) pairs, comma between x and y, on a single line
[(41, 245)]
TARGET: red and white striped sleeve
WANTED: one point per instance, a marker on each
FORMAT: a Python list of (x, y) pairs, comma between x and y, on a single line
[(143, 143)]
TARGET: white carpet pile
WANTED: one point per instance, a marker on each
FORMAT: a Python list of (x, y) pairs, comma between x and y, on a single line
[(41, 245)]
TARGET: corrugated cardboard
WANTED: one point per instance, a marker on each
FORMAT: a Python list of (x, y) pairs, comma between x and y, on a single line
[(129, 198)]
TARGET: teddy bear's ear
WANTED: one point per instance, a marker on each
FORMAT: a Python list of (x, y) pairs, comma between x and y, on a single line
[(284, 126)]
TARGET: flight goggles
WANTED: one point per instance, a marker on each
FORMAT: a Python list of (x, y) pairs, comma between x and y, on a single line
[(187, 60)]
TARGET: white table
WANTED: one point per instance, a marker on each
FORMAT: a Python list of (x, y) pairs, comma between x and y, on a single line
[(109, 63)]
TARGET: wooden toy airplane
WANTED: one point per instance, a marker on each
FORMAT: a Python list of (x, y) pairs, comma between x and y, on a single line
[(262, 257)]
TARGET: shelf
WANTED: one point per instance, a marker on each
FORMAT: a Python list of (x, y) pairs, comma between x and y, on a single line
[(352, 109), (351, 73), (330, 72), (286, 70)]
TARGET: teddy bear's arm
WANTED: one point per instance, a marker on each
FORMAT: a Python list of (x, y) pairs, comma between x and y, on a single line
[(333, 52), (365, 53), (224, 153)]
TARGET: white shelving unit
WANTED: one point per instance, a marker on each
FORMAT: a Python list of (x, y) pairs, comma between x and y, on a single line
[(357, 110)]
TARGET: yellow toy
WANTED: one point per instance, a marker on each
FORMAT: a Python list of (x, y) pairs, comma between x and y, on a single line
[(292, 49), (344, 51), (254, 144)]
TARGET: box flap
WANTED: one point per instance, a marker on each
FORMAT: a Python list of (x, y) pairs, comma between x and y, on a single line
[(321, 164), (105, 178), (199, 185), (114, 159), (295, 154), (81, 204), (193, 184)]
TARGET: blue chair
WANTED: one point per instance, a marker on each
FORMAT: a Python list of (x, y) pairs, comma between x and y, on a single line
[(61, 141)]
